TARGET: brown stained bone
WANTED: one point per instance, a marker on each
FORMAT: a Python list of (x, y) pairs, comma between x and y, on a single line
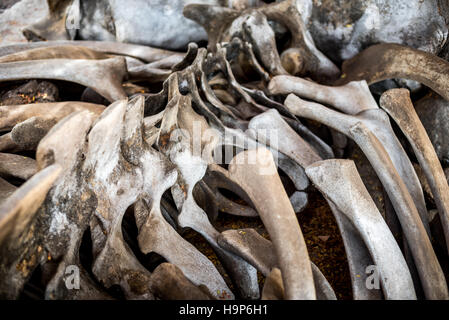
[(53, 24), (388, 61), (224, 24), (144, 53), (399, 106), (13, 115), (57, 52), (104, 76), (336, 179), (16, 166), (260, 252), (169, 283), (19, 238), (295, 147), (256, 170)]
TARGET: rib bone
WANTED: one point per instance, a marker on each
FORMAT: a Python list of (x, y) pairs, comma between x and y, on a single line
[(399, 106)]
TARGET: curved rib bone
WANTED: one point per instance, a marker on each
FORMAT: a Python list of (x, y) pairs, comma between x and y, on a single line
[(12, 165), (55, 111), (399, 106), (278, 217), (104, 76), (351, 98), (19, 242), (378, 123), (388, 61), (302, 153), (260, 252), (332, 178)]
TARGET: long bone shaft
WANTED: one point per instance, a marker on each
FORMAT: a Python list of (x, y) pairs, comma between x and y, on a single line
[(399, 106), (351, 98), (425, 259), (338, 179), (278, 217), (378, 123), (104, 76), (261, 253), (390, 60), (295, 147)]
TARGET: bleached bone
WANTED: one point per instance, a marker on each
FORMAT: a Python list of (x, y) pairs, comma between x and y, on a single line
[(339, 178), (389, 60), (378, 123), (19, 242), (399, 106), (351, 98), (169, 283), (144, 53), (191, 169), (260, 252), (278, 217), (104, 76)]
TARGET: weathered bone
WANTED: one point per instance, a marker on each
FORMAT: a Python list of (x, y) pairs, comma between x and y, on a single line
[(412, 224), (12, 165), (351, 98), (144, 53), (399, 106), (223, 24), (104, 76), (19, 241), (6, 189), (378, 123), (338, 178), (260, 252), (273, 288), (156, 235), (278, 217), (301, 152), (169, 283), (191, 170), (389, 60), (55, 111)]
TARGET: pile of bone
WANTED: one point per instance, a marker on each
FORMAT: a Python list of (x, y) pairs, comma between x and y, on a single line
[(222, 118)]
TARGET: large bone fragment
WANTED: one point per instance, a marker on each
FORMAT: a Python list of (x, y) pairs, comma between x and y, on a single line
[(278, 217), (398, 104), (104, 76)]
